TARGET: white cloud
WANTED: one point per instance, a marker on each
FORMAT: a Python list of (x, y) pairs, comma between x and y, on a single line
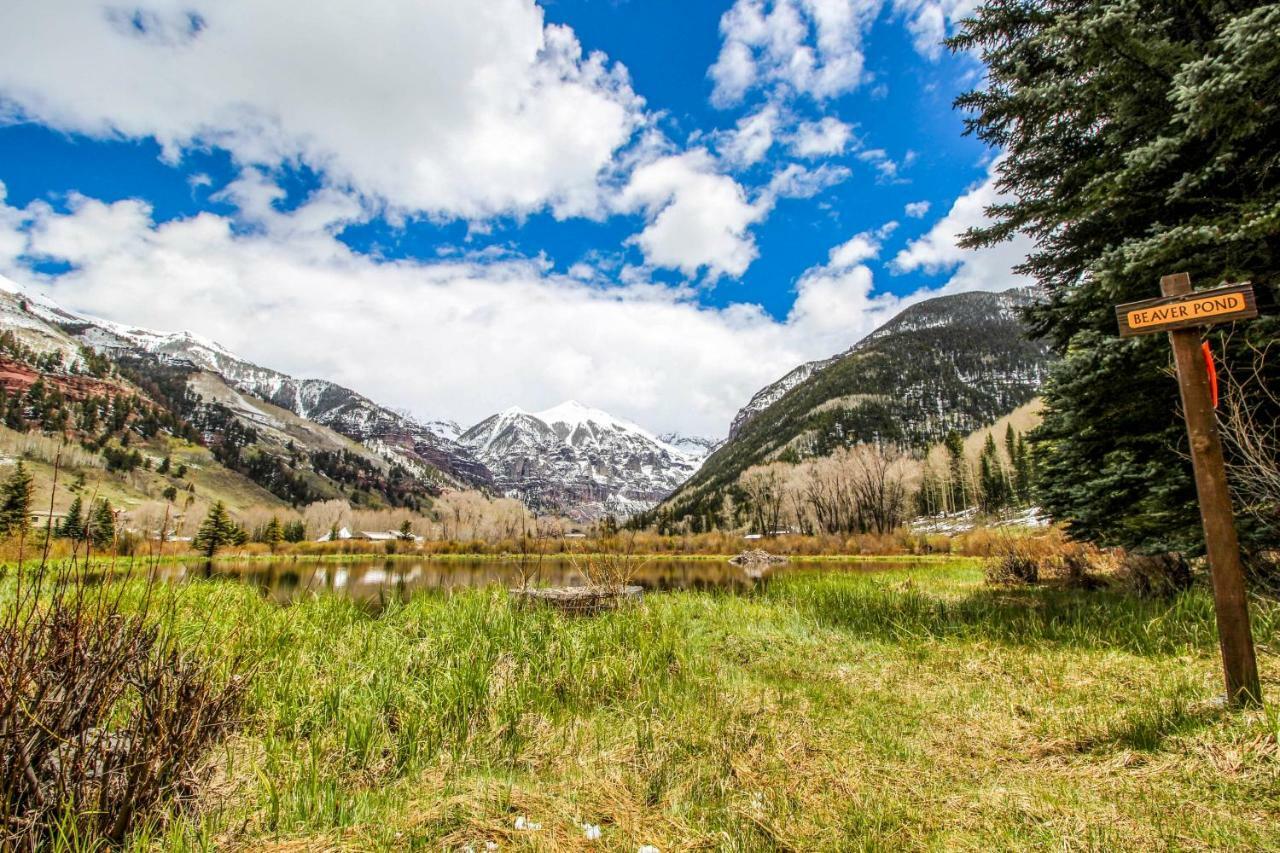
[(457, 109), (811, 47), (796, 181), (887, 169), (931, 21), (698, 218), (751, 140), (917, 209), (835, 303), (820, 138), (458, 338), (982, 269)]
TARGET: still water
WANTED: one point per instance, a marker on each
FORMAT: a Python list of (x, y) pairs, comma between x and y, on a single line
[(376, 581)]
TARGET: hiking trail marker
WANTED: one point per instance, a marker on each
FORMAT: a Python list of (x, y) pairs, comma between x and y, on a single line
[(1181, 312)]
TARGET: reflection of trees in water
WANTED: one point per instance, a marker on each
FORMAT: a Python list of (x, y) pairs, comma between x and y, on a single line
[(377, 582)]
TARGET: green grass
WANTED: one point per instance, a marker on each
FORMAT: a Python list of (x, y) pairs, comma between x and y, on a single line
[(896, 709)]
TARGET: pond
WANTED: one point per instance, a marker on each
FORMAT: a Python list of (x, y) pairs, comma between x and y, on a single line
[(378, 580)]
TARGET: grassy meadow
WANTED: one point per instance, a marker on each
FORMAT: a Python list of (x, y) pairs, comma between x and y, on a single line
[(896, 709)]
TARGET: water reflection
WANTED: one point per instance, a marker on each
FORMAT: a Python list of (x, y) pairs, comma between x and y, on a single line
[(377, 581)]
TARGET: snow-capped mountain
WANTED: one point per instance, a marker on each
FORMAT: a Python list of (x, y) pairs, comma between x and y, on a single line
[(578, 460), (395, 436), (693, 445)]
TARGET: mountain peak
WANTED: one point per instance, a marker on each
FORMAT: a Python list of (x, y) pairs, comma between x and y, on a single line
[(573, 414)]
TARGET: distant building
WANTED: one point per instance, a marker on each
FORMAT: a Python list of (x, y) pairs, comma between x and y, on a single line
[(343, 533)]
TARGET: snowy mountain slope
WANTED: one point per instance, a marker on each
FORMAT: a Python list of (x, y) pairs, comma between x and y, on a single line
[(692, 445), (770, 394), (252, 446), (578, 460), (395, 436)]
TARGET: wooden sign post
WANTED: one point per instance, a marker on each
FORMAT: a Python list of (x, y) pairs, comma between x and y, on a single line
[(1181, 312)]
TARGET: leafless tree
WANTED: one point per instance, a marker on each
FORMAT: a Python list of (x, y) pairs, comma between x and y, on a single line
[(763, 489), (1252, 436), (878, 475)]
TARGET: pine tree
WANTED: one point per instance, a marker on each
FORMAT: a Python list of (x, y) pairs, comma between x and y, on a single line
[(406, 531), (273, 533), (102, 525), (163, 468), (295, 531), (15, 501), (993, 481), (72, 526), (216, 531), (1139, 139)]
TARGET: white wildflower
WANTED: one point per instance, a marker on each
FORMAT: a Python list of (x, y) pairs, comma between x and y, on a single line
[(648, 848), (524, 824), (592, 831)]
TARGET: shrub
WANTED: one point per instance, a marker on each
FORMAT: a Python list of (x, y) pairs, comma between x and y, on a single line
[(1156, 575), (103, 718), (1015, 561), (1262, 572)]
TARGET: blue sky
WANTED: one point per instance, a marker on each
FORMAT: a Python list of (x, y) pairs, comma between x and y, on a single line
[(655, 207)]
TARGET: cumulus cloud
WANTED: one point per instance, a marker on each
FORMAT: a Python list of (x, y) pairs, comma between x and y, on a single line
[(698, 218), (930, 21), (917, 209), (752, 138), (822, 138), (457, 338), (796, 181), (811, 47), (888, 170), (835, 302), (456, 109), (939, 250)]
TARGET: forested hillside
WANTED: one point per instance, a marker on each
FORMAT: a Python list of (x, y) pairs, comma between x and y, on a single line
[(950, 364)]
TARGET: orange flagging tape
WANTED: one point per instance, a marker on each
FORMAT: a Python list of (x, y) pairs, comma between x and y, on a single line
[(1213, 371)]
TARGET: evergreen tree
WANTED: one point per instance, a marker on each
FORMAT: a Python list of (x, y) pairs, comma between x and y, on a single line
[(406, 531), (1139, 139), (216, 531), (1023, 479), (72, 527), (163, 468), (14, 417), (102, 525), (15, 501), (273, 533), (295, 531), (993, 481)]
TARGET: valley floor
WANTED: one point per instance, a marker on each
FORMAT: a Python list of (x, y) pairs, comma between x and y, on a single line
[(829, 711)]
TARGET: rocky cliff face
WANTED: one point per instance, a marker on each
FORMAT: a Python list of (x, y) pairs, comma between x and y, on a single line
[(580, 461)]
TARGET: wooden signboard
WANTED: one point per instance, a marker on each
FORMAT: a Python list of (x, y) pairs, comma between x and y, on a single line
[(1181, 312), (1201, 308)]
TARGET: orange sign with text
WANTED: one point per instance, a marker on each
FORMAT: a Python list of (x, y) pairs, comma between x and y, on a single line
[(1220, 305)]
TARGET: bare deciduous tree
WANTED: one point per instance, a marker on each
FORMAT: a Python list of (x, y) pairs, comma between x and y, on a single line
[(1252, 436)]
